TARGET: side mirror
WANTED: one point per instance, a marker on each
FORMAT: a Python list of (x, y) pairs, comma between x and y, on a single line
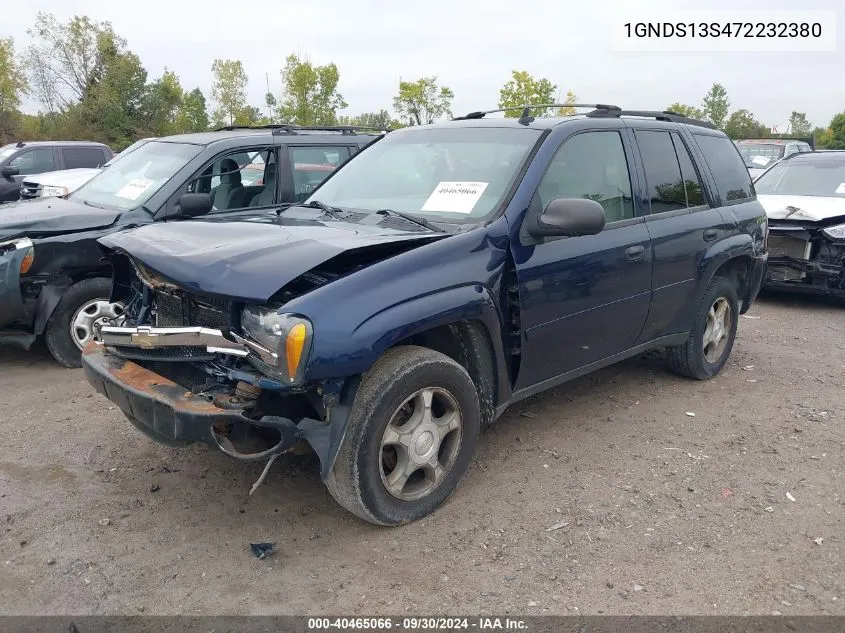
[(8, 172), (193, 204), (568, 217)]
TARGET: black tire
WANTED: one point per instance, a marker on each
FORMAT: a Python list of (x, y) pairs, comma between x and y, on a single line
[(689, 359), (57, 333), (355, 481)]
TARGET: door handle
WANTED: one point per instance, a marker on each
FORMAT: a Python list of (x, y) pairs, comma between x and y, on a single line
[(710, 235), (635, 253)]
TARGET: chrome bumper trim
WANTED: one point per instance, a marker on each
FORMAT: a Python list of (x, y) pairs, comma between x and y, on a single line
[(146, 337)]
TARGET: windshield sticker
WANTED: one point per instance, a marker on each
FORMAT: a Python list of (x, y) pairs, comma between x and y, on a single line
[(455, 197), (760, 160), (134, 188), (841, 188)]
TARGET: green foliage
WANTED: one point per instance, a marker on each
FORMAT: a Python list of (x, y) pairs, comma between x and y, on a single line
[(715, 105), (798, 124), (568, 110), (13, 85), (228, 90), (686, 110), (742, 124), (250, 115), (380, 120), (423, 101), (162, 104), (523, 89), (309, 93), (192, 115), (836, 138)]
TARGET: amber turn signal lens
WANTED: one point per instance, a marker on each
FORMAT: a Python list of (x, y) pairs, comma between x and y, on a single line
[(26, 262), (294, 345)]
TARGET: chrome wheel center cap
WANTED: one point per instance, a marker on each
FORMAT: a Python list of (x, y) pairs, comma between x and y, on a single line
[(424, 444)]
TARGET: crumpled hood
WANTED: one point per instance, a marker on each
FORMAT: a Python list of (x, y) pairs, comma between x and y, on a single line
[(248, 260), (805, 208), (51, 216)]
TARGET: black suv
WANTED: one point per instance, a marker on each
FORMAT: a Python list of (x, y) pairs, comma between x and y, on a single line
[(441, 275), (38, 157), (53, 279)]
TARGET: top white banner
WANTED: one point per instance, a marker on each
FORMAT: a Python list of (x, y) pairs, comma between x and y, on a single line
[(725, 31)]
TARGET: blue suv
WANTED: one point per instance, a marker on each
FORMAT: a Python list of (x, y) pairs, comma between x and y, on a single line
[(442, 274)]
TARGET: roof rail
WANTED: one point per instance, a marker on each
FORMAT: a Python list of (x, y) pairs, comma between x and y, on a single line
[(665, 115), (291, 128), (526, 109)]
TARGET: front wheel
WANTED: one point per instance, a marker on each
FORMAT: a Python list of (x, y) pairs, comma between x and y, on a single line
[(411, 434), (712, 338), (71, 326)]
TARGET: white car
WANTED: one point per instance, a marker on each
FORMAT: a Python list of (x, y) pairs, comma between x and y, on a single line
[(61, 183), (760, 154), (804, 199)]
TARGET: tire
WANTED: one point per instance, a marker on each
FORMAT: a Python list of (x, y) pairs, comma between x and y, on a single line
[(694, 359), (61, 343), (359, 480)]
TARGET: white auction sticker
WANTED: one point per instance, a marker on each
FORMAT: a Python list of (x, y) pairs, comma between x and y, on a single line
[(134, 188), (759, 160), (841, 188), (455, 197)]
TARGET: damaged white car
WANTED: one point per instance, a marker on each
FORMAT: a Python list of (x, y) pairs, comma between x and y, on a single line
[(804, 198)]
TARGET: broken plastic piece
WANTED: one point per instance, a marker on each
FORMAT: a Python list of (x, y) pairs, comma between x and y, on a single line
[(262, 550)]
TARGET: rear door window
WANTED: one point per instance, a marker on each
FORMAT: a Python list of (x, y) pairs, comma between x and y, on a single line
[(727, 167), (666, 191), (76, 157)]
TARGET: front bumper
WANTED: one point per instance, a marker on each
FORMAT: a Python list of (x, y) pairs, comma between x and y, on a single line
[(169, 414)]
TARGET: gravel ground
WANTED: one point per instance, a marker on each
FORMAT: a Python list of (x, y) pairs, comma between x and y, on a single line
[(606, 495)]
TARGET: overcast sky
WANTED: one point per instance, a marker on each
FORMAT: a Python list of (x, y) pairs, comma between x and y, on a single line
[(471, 46)]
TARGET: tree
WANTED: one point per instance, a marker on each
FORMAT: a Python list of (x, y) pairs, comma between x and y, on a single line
[(742, 124), (13, 85), (192, 116), (798, 124), (821, 137), (423, 101), (523, 89), (228, 90), (686, 110), (715, 105), (68, 60), (250, 115), (379, 120), (836, 139), (568, 110), (162, 103), (309, 93)]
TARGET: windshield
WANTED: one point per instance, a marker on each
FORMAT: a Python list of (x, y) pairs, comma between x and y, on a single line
[(129, 182), (447, 174), (128, 150), (760, 155), (816, 177), (7, 150)]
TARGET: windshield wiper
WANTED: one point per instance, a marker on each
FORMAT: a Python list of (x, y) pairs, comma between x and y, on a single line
[(334, 212), (410, 218)]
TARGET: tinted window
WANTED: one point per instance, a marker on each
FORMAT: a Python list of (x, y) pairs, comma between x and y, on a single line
[(728, 169), (34, 161), (76, 157), (662, 172), (692, 183), (311, 166), (591, 165)]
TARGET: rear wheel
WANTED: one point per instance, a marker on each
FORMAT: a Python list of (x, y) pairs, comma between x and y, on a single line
[(410, 437), (714, 331), (71, 326)]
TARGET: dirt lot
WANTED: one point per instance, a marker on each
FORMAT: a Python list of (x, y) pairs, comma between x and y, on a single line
[(737, 509)]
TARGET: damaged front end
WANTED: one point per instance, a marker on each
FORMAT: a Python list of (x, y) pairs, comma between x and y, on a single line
[(807, 256), (190, 368)]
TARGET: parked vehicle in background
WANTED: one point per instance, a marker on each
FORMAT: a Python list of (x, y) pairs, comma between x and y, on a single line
[(53, 280), (804, 198), (60, 183), (441, 275), (760, 154), (37, 157)]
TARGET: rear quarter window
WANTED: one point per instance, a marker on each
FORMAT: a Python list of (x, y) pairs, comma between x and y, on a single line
[(732, 180)]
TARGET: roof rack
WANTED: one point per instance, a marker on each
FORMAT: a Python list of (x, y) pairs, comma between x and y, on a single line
[(664, 115), (290, 128), (526, 109)]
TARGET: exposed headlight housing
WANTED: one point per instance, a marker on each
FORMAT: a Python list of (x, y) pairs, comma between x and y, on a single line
[(835, 232), (21, 244), (284, 340), (53, 192)]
